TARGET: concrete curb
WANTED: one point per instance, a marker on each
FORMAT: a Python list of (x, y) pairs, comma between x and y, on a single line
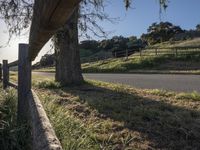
[(44, 137)]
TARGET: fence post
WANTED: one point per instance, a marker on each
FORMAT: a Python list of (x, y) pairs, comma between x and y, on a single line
[(24, 82), (5, 74), (176, 52), (0, 71), (156, 51), (140, 52), (126, 54)]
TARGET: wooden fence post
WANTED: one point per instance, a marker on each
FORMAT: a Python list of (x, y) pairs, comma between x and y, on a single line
[(0, 71), (126, 54), (140, 52), (5, 74), (176, 52), (156, 51), (24, 82)]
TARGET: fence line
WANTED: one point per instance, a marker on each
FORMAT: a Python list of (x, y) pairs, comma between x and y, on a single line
[(156, 51), (30, 109)]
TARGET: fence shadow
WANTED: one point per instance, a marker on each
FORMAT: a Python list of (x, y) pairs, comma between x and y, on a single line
[(166, 126)]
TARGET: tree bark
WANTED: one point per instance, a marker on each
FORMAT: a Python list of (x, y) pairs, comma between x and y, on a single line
[(68, 66)]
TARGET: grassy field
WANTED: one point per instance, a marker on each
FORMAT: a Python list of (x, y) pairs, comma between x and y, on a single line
[(188, 64), (144, 65), (192, 42), (98, 115), (181, 64), (12, 136), (161, 63)]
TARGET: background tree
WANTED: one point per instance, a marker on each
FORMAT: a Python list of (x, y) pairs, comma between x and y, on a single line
[(198, 27), (47, 60), (158, 33), (89, 44)]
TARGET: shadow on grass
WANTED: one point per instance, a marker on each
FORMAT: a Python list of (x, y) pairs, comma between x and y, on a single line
[(166, 126)]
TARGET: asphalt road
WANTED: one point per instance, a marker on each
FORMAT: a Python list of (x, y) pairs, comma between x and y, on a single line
[(179, 83)]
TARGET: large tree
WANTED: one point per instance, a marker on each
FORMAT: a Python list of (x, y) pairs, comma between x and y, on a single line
[(68, 66), (17, 15)]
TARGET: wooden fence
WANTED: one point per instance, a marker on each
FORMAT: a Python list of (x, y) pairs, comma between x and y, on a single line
[(30, 109), (158, 51)]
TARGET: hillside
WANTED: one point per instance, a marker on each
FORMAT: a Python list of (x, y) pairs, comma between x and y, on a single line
[(102, 61), (165, 59), (191, 42)]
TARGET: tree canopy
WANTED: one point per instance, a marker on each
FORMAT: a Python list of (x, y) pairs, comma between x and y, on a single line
[(157, 33)]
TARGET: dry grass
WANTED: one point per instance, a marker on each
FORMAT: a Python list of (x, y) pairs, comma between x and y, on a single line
[(98, 115)]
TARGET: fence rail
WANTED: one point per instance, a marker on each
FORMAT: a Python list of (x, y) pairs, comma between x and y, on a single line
[(30, 109), (13, 64), (156, 51)]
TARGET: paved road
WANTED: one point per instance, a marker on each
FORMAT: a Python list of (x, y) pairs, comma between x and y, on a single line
[(179, 83)]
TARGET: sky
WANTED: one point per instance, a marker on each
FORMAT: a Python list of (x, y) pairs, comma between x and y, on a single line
[(135, 21)]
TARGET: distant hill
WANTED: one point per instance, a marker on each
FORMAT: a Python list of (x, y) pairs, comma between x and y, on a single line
[(182, 43)]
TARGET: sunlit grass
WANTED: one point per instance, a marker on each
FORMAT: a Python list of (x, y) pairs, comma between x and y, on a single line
[(189, 96)]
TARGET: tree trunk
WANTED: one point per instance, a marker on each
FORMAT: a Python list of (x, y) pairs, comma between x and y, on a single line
[(68, 66)]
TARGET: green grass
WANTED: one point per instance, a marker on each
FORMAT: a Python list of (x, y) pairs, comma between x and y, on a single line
[(72, 134), (186, 63), (99, 115), (145, 63), (192, 42), (12, 136), (189, 96), (119, 65)]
